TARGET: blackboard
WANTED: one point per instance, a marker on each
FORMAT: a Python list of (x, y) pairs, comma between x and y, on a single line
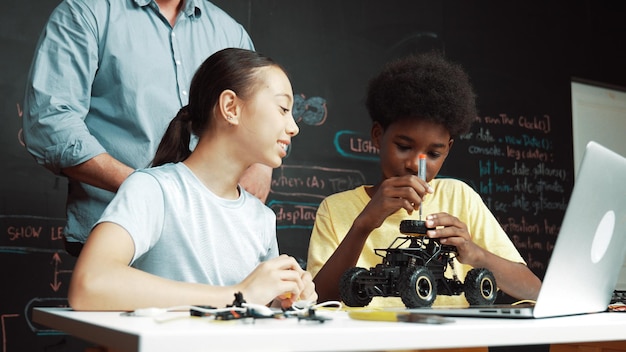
[(35, 271), (518, 155)]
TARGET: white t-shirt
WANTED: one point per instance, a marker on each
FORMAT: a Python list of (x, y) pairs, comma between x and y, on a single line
[(182, 231)]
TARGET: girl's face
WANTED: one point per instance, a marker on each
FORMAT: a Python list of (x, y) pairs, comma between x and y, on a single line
[(402, 143), (267, 121)]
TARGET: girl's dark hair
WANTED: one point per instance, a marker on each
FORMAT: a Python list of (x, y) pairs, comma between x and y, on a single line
[(423, 86), (230, 68)]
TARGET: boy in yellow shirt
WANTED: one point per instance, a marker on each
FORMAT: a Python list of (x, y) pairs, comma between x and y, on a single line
[(418, 105)]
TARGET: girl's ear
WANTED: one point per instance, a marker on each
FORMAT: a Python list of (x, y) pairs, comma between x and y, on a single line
[(377, 134), (229, 107)]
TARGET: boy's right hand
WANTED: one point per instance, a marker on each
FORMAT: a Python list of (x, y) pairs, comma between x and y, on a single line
[(393, 194)]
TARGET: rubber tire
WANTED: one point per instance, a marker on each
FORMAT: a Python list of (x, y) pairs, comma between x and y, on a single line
[(480, 287), (417, 287), (349, 290), (413, 227)]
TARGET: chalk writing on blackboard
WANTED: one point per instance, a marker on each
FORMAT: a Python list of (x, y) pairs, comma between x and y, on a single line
[(300, 189), (355, 145), (4, 318), (43, 302), (520, 179), (20, 114), (30, 231), (312, 111), (293, 214), (313, 181), (58, 272)]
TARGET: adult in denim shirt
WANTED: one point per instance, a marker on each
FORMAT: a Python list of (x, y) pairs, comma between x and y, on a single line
[(106, 79)]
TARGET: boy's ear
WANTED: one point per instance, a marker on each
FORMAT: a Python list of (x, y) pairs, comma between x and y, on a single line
[(377, 134), (229, 107)]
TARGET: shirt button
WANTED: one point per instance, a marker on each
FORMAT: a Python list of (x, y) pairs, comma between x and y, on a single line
[(184, 92)]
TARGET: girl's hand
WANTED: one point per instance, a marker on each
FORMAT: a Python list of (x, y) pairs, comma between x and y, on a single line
[(279, 278), (286, 300)]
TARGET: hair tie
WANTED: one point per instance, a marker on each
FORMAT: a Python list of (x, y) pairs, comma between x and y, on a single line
[(183, 114)]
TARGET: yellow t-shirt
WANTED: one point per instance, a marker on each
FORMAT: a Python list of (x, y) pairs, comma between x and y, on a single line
[(337, 212)]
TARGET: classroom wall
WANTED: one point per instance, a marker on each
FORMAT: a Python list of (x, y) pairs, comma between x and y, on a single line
[(518, 156)]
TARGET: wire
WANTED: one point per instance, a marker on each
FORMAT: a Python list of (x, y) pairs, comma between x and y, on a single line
[(306, 305), (524, 301), (298, 308), (337, 305)]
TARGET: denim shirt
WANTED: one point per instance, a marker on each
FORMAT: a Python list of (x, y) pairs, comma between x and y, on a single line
[(107, 77)]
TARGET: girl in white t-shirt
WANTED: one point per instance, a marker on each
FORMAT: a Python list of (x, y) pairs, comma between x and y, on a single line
[(184, 232)]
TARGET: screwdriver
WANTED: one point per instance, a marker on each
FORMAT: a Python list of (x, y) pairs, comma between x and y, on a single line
[(421, 173)]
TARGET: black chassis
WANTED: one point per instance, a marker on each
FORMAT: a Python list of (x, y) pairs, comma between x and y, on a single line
[(415, 273)]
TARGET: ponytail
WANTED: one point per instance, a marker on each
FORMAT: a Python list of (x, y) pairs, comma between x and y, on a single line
[(230, 68), (174, 146)]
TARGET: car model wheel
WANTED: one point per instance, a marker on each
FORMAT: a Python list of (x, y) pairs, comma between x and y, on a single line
[(417, 287), (480, 287), (350, 292)]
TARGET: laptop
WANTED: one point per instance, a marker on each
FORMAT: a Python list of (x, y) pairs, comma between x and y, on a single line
[(589, 250)]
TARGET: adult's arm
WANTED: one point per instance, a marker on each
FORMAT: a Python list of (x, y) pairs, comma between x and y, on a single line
[(101, 171), (257, 180), (57, 100)]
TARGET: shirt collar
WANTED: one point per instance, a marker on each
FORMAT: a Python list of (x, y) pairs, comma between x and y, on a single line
[(189, 7)]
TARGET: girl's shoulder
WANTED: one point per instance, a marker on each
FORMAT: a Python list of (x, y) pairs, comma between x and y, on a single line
[(165, 171), (171, 175)]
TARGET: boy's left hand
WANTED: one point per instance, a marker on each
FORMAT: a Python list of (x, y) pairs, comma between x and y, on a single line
[(452, 231)]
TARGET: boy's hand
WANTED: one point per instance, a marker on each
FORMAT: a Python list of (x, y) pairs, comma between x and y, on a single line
[(393, 194), (452, 231)]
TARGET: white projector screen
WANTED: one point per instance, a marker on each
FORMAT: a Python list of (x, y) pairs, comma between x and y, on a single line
[(599, 114)]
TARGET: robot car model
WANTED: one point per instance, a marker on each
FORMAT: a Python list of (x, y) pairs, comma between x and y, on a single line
[(415, 273)]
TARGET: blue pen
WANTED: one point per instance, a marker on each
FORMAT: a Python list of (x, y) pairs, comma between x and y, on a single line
[(421, 173)]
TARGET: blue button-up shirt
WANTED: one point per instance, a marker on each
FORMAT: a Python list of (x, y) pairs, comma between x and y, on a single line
[(107, 77)]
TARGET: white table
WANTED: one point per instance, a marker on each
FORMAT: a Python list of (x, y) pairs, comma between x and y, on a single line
[(184, 333)]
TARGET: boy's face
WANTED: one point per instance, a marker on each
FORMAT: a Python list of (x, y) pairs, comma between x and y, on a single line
[(403, 141)]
